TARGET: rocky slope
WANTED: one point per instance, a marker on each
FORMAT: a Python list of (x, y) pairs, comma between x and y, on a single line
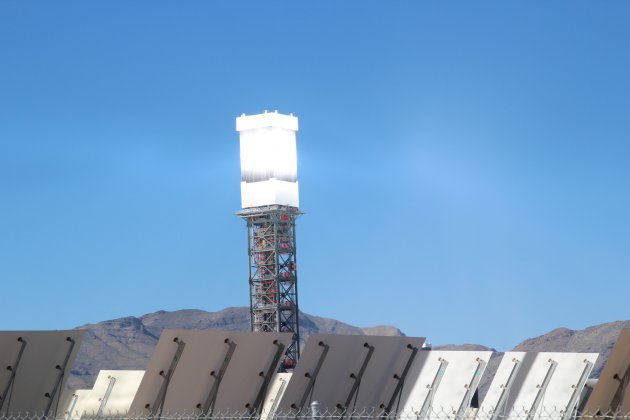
[(127, 343), (596, 339)]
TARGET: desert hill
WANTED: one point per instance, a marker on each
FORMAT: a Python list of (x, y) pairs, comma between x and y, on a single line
[(127, 343)]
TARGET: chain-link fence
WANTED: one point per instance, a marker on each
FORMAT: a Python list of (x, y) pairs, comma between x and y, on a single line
[(315, 413)]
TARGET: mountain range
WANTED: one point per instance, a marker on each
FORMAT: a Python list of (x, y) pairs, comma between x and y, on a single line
[(127, 343)]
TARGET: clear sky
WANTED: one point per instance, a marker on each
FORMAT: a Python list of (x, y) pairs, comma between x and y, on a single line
[(464, 166)]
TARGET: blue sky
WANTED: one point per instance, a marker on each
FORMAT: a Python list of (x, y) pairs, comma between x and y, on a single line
[(464, 166)]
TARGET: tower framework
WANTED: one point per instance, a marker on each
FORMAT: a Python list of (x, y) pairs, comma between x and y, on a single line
[(273, 293)]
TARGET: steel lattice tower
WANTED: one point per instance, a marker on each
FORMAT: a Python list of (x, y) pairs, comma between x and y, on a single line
[(273, 293), (270, 203)]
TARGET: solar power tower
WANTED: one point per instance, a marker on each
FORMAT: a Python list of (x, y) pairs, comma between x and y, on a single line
[(270, 206)]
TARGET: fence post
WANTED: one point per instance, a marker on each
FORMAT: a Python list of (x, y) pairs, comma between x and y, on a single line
[(315, 410)]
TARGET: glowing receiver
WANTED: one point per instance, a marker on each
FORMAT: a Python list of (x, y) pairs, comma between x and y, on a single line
[(268, 160)]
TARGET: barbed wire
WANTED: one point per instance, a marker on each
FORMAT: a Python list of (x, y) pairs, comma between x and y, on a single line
[(334, 414)]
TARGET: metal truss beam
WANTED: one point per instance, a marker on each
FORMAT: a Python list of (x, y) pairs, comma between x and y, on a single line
[(273, 292)]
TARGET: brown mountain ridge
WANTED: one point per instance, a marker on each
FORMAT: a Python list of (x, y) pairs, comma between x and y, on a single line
[(127, 343)]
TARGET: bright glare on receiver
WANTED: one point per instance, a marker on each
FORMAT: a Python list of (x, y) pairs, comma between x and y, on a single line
[(268, 159)]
